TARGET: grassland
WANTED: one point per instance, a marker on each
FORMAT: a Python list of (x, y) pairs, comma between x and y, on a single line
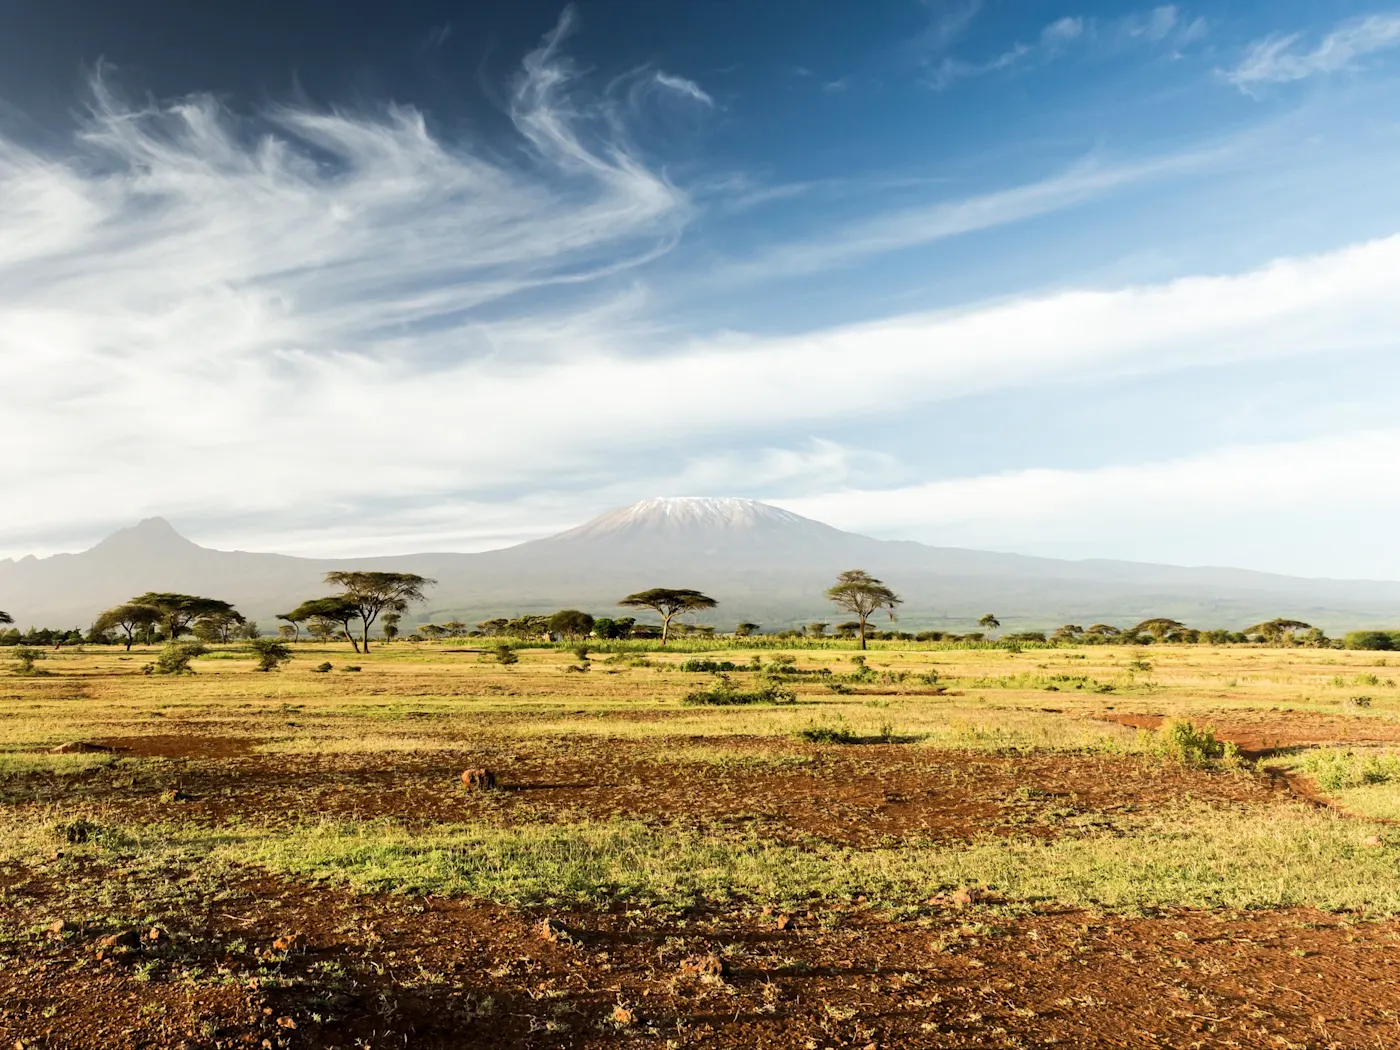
[(935, 847)]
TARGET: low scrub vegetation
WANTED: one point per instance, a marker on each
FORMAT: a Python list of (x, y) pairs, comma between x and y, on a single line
[(1335, 769), (724, 694)]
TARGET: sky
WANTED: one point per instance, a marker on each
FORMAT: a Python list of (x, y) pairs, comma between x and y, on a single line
[(333, 277)]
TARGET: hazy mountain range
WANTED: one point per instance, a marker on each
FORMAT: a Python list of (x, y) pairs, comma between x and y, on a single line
[(761, 563)]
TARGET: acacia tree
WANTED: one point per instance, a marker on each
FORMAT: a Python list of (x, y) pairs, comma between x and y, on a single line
[(571, 624), (129, 618), (989, 623), (373, 593), (667, 602), (1159, 627), (336, 609), (817, 630), (746, 630), (291, 625), (6, 617), (217, 627), (178, 611), (1274, 630), (391, 625), (861, 595)]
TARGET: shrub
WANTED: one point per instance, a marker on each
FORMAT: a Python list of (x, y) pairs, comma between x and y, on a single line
[(175, 657), (503, 654), (324, 668), (710, 666), (827, 734), (1384, 641), (271, 653), (25, 657), (1183, 741), (352, 668), (723, 694), (1335, 769)]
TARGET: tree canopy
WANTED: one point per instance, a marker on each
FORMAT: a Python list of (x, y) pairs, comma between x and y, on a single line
[(337, 609), (989, 622), (6, 617), (571, 623), (1273, 630), (861, 595), (1159, 627), (668, 602), (129, 617), (375, 592), (178, 611)]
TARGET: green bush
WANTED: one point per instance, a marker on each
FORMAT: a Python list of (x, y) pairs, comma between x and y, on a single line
[(25, 657), (705, 666), (1183, 741), (1384, 641), (323, 668), (175, 657), (271, 653), (1335, 768), (826, 733), (723, 694)]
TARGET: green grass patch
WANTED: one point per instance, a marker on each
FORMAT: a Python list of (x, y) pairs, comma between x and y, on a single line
[(1280, 856)]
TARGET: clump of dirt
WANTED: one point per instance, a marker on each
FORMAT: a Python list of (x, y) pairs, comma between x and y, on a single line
[(479, 779)]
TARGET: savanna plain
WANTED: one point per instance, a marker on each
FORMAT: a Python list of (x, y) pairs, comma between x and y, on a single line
[(918, 846)]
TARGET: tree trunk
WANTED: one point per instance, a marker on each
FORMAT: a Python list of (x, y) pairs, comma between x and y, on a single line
[(862, 632), (665, 628), (351, 638)]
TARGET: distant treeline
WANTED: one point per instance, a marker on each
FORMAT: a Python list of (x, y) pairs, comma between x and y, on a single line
[(369, 599)]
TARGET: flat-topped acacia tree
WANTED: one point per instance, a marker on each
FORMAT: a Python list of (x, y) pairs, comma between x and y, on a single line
[(178, 611), (130, 618), (336, 609), (667, 602), (861, 595), (373, 593)]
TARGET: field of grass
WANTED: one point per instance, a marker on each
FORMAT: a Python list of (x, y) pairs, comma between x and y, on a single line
[(986, 809)]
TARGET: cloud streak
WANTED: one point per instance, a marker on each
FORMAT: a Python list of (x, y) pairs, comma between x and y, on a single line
[(1272, 495), (1278, 59), (321, 315)]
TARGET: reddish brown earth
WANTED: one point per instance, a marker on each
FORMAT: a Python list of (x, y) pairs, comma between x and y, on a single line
[(386, 971), (857, 795), (382, 972), (1261, 732)]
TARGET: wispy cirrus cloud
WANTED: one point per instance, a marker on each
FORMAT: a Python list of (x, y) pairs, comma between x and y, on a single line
[(310, 315), (1053, 39), (1279, 59), (1158, 26), (683, 86), (897, 229)]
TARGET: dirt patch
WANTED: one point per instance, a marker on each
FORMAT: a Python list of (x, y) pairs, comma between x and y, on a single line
[(1262, 733), (172, 745), (389, 972), (863, 795)]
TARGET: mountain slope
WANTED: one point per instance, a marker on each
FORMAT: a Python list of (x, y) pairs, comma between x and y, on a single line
[(761, 562)]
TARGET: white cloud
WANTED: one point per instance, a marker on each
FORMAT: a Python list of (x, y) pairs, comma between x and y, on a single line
[(897, 229), (1278, 59), (1251, 506), (1158, 25), (682, 86), (347, 316)]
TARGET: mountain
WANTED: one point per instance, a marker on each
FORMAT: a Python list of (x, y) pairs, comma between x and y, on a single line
[(762, 563)]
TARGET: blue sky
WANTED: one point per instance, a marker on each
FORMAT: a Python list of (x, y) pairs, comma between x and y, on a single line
[(1083, 280)]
